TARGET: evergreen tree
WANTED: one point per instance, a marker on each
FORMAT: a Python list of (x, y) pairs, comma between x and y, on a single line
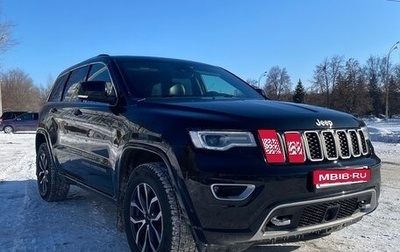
[(373, 75), (375, 94), (299, 93)]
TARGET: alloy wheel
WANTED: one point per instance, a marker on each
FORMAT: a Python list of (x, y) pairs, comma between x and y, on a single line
[(146, 218), (8, 129), (43, 173)]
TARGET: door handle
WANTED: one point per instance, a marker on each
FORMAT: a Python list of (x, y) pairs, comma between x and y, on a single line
[(77, 112)]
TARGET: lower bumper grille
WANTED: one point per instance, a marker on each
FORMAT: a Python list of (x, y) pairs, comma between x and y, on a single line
[(306, 217), (327, 211)]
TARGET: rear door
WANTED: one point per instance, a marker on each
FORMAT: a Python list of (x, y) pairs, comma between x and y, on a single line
[(26, 122), (85, 132), (31, 123)]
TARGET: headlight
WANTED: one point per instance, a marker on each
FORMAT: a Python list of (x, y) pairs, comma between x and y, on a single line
[(221, 140)]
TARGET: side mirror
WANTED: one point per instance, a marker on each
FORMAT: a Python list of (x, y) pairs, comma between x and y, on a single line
[(95, 91), (261, 92)]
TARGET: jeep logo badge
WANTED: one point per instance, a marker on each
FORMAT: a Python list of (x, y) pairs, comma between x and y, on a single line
[(323, 123)]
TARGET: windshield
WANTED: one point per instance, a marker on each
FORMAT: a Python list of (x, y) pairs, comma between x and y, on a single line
[(161, 78)]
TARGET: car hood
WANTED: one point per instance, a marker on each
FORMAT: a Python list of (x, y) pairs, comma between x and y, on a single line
[(250, 114)]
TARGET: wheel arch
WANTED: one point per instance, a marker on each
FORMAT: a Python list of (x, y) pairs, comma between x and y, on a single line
[(135, 155), (42, 137), (132, 156), (39, 139)]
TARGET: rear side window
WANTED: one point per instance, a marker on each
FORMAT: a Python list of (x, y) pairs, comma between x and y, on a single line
[(27, 117), (58, 88), (11, 115), (72, 87)]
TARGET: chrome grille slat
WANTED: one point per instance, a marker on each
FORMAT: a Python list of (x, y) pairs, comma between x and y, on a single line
[(364, 147), (329, 145), (355, 143), (334, 144), (344, 148), (313, 146)]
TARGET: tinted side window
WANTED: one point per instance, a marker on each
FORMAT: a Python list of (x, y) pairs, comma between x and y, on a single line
[(72, 87), (27, 116), (215, 85), (99, 72), (56, 92)]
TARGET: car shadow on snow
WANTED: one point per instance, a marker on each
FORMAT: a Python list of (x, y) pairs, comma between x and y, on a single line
[(83, 222)]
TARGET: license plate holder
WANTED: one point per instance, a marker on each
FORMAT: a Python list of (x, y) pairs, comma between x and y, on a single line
[(337, 177)]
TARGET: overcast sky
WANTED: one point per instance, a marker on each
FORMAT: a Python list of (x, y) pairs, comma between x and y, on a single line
[(245, 37)]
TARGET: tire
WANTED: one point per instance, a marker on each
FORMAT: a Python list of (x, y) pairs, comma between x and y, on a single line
[(153, 219), (8, 129), (51, 186)]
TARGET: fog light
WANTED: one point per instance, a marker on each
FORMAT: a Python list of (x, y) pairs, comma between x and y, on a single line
[(364, 206), (280, 221)]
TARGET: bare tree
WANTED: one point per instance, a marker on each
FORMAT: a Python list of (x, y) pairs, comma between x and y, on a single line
[(278, 84), (6, 42), (44, 91), (326, 74), (19, 92), (394, 95), (350, 94), (252, 82)]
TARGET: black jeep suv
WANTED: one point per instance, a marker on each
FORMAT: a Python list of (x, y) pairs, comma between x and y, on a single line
[(195, 158)]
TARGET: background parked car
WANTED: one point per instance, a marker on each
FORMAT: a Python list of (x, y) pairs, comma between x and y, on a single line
[(25, 122), (11, 115)]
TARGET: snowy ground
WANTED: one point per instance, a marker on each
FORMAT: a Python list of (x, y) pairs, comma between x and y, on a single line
[(86, 222)]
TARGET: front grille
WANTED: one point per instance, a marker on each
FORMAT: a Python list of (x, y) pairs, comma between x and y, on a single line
[(355, 143), (344, 148), (329, 144), (334, 144), (316, 214), (314, 146)]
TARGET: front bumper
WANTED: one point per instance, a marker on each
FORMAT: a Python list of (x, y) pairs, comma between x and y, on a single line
[(314, 216), (242, 206)]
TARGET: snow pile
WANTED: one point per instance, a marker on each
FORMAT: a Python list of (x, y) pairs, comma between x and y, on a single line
[(87, 222), (387, 131)]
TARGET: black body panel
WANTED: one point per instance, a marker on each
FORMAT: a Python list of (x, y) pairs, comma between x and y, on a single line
[(90, 142)]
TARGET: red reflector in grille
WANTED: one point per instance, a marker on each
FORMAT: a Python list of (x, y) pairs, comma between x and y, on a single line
[(271, 146), (295, 147)]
